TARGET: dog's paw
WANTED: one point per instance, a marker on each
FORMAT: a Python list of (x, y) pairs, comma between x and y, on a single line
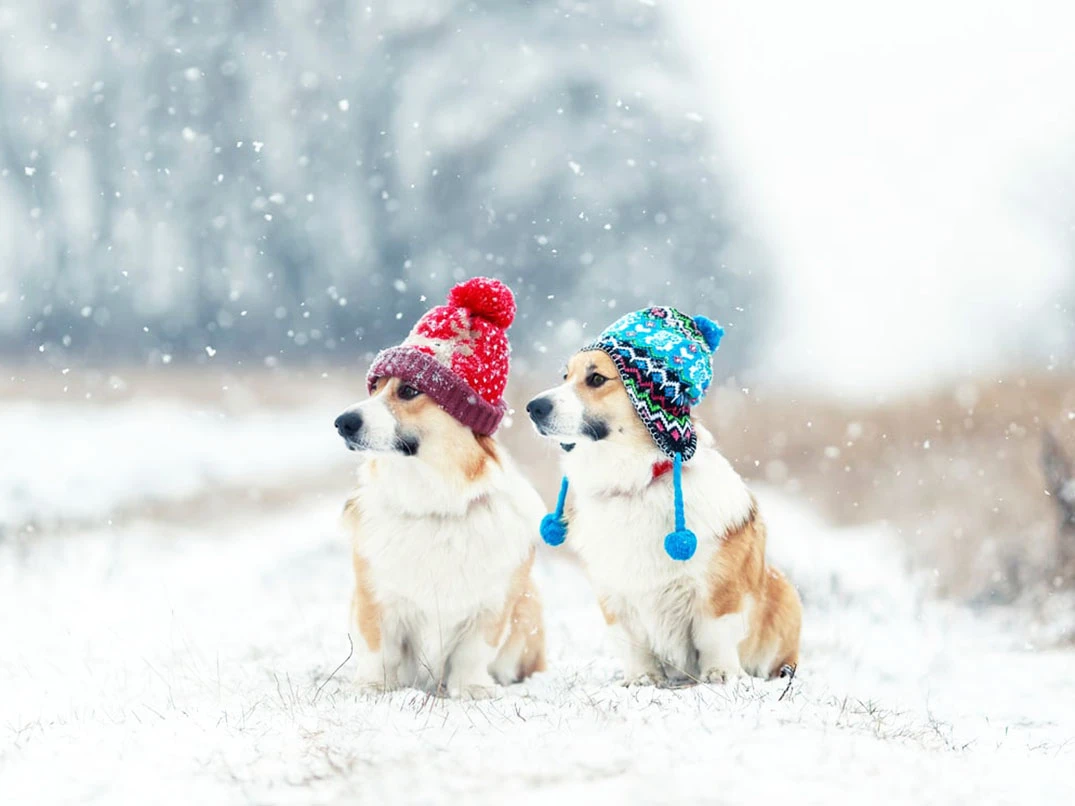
[(717, 676), (475, 686), (648, 678), (675, 683), (476, 691), (374, 687)]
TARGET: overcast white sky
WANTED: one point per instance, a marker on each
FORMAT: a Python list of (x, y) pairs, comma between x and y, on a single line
[(909, 168)]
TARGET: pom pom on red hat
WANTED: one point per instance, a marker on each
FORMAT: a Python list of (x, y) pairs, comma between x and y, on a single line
[(485, 298)]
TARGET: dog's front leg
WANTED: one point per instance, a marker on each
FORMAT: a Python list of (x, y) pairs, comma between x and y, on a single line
[(640, 666), (378, 666), (468, 667), (375, 673)]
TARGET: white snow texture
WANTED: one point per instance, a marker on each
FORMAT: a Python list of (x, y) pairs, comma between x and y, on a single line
[(175, 663)]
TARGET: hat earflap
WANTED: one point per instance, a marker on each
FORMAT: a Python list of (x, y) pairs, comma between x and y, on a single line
[(681, 543), (553, 528)]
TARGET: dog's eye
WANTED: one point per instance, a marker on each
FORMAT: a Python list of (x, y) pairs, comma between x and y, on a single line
[(595, 379), (408, 392)]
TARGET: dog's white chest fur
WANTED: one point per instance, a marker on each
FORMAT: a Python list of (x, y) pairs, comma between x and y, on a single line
[(619, 534), (443, 568), (440, 560)]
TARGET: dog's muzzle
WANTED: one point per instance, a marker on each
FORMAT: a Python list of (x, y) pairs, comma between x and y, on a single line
[(348, 425), (539, 410)]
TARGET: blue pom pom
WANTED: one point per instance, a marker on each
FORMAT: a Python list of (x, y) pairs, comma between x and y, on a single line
[(711, 331), (553, 530), (681, 544)]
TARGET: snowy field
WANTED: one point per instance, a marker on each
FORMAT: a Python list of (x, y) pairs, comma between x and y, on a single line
[(179, 660), (64, 463)]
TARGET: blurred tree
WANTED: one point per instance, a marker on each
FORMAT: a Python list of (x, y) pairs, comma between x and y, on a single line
[(306, 176)]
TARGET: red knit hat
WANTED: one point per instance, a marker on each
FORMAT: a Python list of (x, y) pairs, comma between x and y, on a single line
[(458, 354)]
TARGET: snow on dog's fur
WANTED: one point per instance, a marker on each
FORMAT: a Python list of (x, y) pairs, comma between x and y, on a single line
[(710, 618), (441, 526)]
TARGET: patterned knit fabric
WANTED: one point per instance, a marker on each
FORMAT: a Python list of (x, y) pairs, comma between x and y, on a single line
[(663, 357), (458, 354)]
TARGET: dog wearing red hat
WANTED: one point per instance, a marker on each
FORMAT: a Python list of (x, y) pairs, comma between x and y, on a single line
[(441, 522)]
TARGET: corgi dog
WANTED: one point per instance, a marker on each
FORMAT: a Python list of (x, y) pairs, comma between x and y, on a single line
[(441, 521), (709, 618)]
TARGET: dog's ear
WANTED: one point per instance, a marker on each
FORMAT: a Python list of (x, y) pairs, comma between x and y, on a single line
[(488, 444), (1060, 482)]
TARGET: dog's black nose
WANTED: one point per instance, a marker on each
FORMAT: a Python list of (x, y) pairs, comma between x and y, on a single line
[(539, 408), (348, 424)]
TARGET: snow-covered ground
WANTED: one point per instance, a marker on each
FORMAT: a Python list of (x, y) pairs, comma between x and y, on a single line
[(61, 463), (167, 662)]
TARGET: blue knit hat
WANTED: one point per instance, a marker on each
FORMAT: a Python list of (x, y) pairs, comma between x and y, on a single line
[(664, 360)]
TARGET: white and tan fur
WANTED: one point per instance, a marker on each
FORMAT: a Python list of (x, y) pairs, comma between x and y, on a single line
[(721, 613), (442, 553)]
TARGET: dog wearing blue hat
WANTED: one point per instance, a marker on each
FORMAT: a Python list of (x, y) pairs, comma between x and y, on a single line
[(668, 531)]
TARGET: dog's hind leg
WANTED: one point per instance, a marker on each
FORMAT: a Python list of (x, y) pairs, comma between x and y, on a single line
[(523, 651), (718, 640), (377, 648)]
